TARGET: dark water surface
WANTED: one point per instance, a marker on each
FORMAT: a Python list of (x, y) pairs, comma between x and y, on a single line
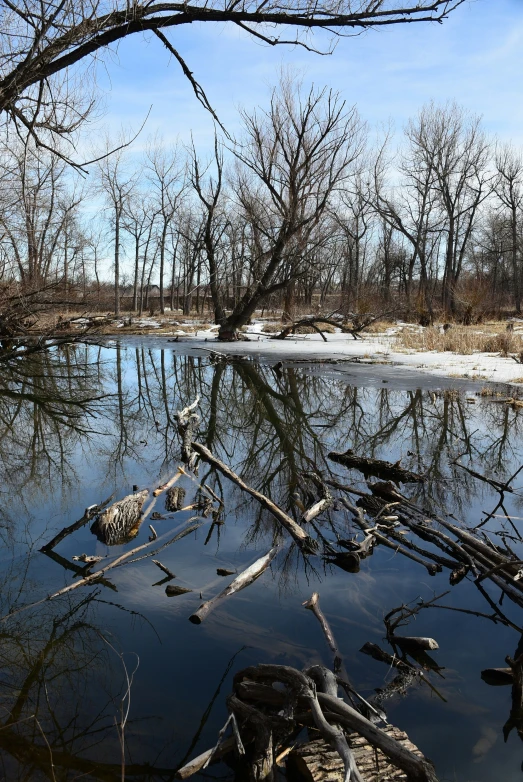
[(87, 421)]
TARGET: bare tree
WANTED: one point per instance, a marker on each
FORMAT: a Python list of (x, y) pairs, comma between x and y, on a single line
[(165, 172), (452, 144), (117, 185), (509, 190), (291, 160), (41, 40)]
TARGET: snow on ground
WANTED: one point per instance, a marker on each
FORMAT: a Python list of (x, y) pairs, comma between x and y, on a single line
[(375, 348)]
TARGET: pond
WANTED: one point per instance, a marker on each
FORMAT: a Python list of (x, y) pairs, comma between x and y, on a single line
[(87, 421)]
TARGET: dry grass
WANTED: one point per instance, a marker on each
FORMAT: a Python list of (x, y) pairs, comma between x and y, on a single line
[(460, 339)]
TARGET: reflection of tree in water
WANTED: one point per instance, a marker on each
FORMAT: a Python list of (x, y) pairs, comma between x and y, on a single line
[(271, 425), (47, 405)]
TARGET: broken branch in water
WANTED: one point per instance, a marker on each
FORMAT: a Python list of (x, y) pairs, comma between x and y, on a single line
[(170, 482), (243, 580), (89, 514), (322, 505), (306, 543), (313, 604), (95, 577), (165, 569)]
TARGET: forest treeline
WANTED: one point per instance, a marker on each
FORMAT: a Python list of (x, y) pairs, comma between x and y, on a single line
[(307, 208)]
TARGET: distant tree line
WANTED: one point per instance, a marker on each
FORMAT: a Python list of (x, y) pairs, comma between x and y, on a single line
[(300, 210)]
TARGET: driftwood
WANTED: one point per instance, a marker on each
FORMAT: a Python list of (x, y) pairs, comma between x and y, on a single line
[(316, 761), (418, 769), (411, 644), (89, 514), (160, 489), (163, 568), (120, 522), (515, 719), (358, 325), (306, 543), (322, 505), (313, 604), (498, 677), (198, 763), (124, 559), (376, 467), (243, 580), (174, 591), (174, 498)]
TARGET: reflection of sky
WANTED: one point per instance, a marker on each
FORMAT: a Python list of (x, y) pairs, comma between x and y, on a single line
[(177, 677)]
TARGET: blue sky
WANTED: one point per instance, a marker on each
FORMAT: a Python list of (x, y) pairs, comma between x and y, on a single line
[(475, 58)]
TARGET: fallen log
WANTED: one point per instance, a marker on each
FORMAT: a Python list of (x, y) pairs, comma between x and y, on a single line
[(316, 761), (121, 521), (376, 467), (304, 541), (417, 769), (244, 579)]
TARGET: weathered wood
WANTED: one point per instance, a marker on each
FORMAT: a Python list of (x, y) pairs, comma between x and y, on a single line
[(418, 769), (243, 580), (174, 499), (498, 677), (121, 521), (89, 514), (306, 543), (164, 568), (174, 591), (313, 604), (411, 643), (196, 764), (316, 761), (376, 467)]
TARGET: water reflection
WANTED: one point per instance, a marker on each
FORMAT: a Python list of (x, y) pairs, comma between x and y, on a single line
[(83, 421)]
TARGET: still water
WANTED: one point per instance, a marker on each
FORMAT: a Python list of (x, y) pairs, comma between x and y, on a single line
[(83, 422)]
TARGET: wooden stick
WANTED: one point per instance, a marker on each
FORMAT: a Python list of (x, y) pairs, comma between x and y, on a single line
[(313, 604), (169, 483), (306, 544), (89, 514), (165, 569), (243, 580), (94, 577), (197, 764)]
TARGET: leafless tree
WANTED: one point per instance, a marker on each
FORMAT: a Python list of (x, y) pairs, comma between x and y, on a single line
[(451, 143), (117, 185), (41, 42), (509, 190), (165, 172), (290, 162)]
